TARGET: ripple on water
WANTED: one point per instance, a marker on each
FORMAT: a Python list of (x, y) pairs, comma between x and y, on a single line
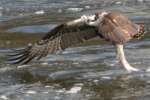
[(79, 80), (81, 73), (33, 29)]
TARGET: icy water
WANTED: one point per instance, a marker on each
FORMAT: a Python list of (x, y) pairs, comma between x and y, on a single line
[(86, 72)]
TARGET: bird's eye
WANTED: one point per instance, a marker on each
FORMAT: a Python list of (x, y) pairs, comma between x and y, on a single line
[(91, 18), (96, 16)]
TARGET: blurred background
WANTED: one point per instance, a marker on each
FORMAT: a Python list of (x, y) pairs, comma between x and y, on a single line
[(86, 72)]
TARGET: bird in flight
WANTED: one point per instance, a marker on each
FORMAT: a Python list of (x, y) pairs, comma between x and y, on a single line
[(110, 26)]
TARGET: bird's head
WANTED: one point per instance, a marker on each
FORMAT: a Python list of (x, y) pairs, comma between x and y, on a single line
[(97, 18), (100, 15), (94, 19)]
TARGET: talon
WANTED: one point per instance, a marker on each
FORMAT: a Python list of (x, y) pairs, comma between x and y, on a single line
[(132, 69)]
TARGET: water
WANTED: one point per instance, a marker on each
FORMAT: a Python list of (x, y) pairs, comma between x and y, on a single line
[(81, 73), (29, 7), (33, 29), (85, 72)]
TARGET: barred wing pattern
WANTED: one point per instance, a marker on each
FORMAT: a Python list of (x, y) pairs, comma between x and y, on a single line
[(59, 38)]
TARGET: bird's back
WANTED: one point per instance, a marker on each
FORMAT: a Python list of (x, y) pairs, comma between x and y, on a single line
[(117, 28)]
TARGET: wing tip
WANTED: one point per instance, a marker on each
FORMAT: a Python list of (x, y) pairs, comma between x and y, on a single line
[(17, 56)]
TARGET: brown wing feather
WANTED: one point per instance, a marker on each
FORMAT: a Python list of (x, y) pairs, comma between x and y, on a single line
[(59, 38), (117, 28)]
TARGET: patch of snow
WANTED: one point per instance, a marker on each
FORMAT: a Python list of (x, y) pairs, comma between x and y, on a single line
[(87, 7), (31, 92), (75, 89), (40, 12), (4, 97), (118, 2), (75, 9), (95, 81), (57, 98), (44, 63), (140, 1), (148, 70), (22, 66), (106, 77), (60, 10), (61, 91), (45, 92)]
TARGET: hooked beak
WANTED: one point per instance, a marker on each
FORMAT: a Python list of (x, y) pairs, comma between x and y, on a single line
[(92, 18)]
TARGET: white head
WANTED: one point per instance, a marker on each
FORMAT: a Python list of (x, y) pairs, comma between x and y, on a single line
[(96, 19), (93, 20), (100, 15)]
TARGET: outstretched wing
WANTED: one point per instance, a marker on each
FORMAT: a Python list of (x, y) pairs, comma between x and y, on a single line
[(59, 38)]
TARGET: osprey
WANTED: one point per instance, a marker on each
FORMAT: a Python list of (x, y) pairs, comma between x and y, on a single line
[(111, 26)]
